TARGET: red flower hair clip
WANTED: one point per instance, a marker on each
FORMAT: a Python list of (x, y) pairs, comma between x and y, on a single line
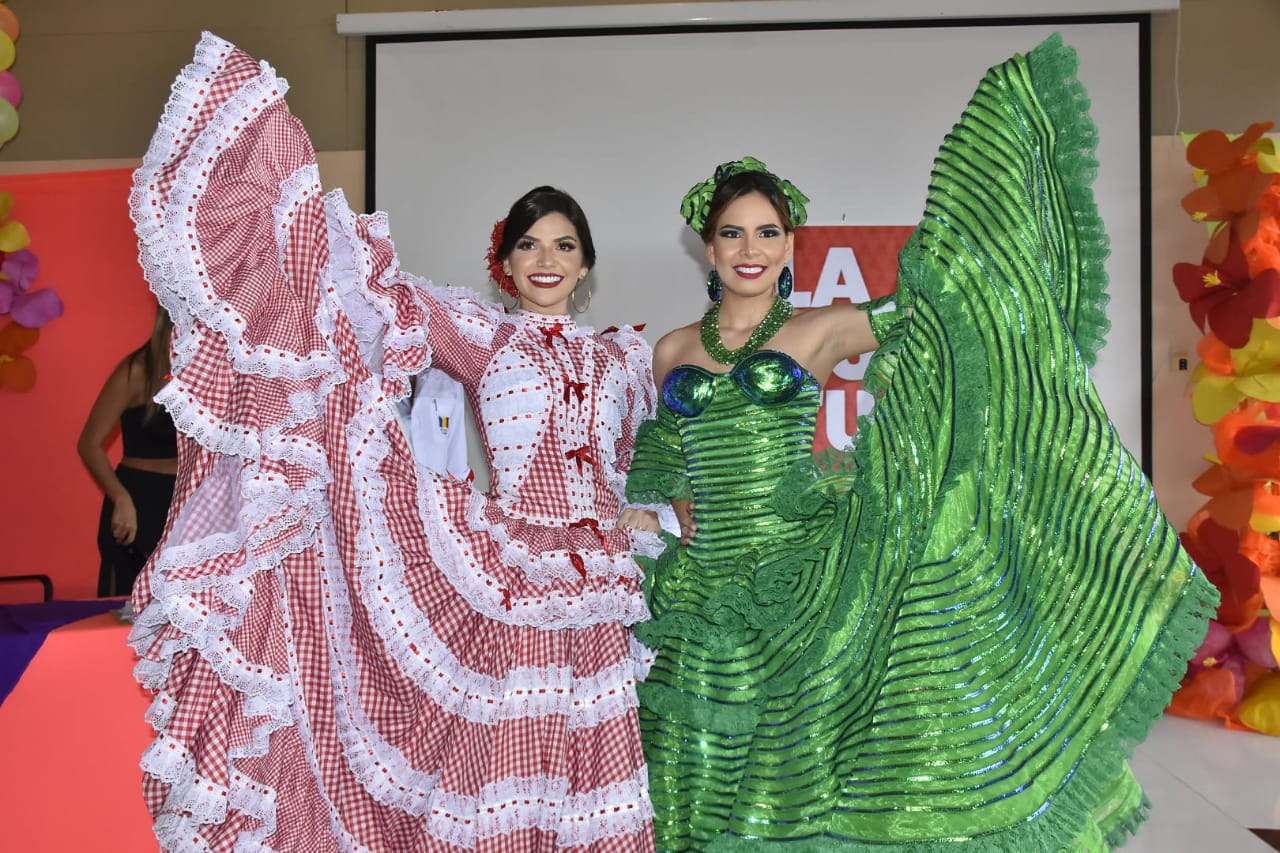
[(505, 282)]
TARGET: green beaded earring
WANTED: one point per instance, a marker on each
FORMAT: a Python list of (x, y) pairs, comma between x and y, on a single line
[(715, 287)]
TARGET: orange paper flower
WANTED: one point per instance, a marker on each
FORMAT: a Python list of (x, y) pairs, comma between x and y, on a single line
[(17, 373), (1232, 188)]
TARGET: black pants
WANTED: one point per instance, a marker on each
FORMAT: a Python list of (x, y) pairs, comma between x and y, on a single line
[(152, 493)]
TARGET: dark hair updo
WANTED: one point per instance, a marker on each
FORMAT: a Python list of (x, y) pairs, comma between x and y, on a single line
[(534, 205), (746, 183)]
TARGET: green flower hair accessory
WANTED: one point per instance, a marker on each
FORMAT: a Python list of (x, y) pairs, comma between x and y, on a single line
[(696, 206)]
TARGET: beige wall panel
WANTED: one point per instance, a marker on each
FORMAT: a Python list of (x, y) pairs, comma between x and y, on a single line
[(95, 95), (1226, 65), (96, 72), (139, 16), (359, 6), (356, 77)]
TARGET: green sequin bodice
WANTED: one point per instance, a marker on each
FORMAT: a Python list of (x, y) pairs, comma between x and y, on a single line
[(751, 423)]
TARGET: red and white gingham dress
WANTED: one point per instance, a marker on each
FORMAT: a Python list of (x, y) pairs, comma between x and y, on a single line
[(349, 653)]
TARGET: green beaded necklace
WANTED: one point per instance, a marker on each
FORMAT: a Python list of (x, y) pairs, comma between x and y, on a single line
[(778, 314)]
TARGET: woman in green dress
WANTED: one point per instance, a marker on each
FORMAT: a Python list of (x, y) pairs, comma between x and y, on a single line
[(953, 634)]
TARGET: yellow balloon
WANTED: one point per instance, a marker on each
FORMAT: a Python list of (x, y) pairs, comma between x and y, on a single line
[(9, 121), (14, 237), (6, 50)]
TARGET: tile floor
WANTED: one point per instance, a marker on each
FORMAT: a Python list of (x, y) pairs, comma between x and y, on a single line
[(1210, 788)]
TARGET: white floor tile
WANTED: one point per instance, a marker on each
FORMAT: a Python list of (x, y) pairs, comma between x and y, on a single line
[(1237, 772), (1182, 821)]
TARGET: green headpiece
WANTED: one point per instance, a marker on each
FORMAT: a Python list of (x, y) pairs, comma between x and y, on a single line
[(696, 206)]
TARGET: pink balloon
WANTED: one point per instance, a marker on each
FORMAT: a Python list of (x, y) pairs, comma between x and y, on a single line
[(10, 88)]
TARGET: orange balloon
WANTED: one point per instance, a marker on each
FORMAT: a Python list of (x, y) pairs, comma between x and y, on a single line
[(9, 22)]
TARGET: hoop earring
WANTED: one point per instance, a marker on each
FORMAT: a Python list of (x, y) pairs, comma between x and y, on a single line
[(573, 299), (715, 287), (502, 297), (785, 283)]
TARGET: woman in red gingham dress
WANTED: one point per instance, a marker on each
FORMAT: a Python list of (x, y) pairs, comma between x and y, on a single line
[(349, 653)]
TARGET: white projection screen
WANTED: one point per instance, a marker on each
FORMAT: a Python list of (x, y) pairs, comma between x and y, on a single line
[(627, 120)]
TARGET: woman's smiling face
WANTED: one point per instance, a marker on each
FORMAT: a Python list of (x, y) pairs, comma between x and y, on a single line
[(546, 264), (750, 246)]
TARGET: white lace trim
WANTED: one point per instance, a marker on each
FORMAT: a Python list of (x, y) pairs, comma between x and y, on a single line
[(543, 567), (477, 321), (187, 98), (169, 248), (372, 315), (553, 609), (621, 808), (390, 779), (300, 188), (194, 800)]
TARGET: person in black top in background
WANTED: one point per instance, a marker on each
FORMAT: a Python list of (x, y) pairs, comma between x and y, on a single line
[(137, 493)]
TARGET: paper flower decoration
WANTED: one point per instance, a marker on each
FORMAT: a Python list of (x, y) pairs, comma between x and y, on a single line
[(1227, 377), (17, 373), (1248, 439), (1234, 293), (1239, 501), (1216, 550), (27, 309), (1219, 675), (1260, 708), (1232, 185), (31, 308), (1225, 297)]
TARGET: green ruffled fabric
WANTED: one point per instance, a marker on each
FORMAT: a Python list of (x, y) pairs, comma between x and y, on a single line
[(953, 636)]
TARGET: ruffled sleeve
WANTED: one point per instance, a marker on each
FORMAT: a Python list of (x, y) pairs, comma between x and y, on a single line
[(641, 397), (405, 324), (658, 471)]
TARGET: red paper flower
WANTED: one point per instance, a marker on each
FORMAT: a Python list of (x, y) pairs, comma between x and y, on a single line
[(1216, 550), (499, 275), (1224, 296)]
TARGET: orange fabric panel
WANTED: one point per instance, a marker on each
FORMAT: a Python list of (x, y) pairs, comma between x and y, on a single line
[(72, 733), (80, 229)]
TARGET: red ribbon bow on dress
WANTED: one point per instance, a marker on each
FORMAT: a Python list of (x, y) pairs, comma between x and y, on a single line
[(550, 333), (580, 455), (579, 564), (578, 389), (589, 524)]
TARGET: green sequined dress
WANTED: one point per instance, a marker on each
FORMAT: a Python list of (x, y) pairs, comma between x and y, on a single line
[(953, 635)]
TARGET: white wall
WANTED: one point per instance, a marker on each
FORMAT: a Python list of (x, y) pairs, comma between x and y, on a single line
[(627, 123), (1180, 442)]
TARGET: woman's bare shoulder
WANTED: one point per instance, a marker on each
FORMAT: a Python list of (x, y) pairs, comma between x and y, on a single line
[(674, 348)]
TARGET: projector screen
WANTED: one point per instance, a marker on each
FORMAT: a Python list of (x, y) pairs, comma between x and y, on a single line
[(628, 120)]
